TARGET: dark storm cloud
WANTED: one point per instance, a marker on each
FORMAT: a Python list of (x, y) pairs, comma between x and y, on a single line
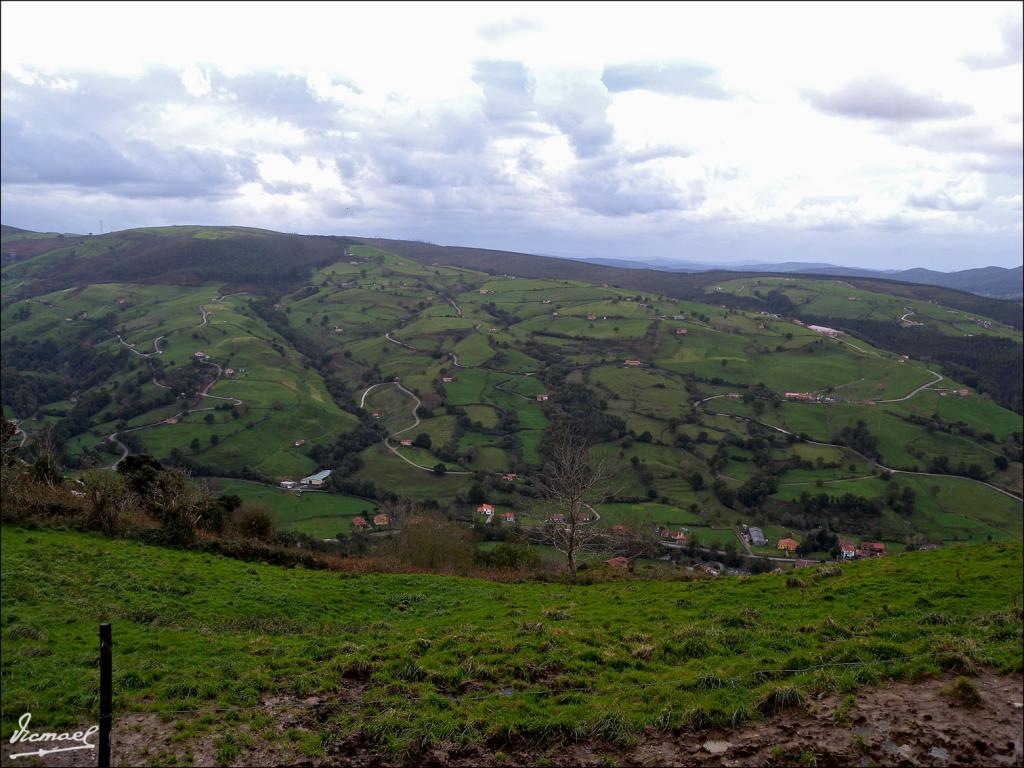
[(133, 168), (1011, 53), (679, 78), (875, 98)]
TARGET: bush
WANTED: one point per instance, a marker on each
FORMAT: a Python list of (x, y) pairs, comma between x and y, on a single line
[(253, 521)]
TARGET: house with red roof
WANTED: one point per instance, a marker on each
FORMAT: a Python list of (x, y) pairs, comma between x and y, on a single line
[(872, 549), (788, 545), (359, 522), (508, 517), (381, 521), (485, 509)]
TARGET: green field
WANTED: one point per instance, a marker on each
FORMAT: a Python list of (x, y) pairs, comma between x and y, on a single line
[(207, 644)]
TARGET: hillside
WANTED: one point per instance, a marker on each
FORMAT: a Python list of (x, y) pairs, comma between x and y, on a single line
[(221, 661), (250, 385)]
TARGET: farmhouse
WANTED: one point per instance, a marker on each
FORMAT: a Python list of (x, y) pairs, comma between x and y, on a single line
[(377, 415), (406, 443), (546, 301), (509, 477), (632, 363), (171, 420), (846, 549), (288, 484), (788, 545), (300, 442), (872, 549), (541, 398), (757, 537), (447, 379), (508, 517), (200, 355), (359, 522), (316, 480), (229, 371), (381, 521), (681, 331), (485, 509), (825, 330), (591, 317), (805, 396)]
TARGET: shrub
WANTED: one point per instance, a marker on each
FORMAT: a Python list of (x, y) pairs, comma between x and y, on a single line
[(253, 521)]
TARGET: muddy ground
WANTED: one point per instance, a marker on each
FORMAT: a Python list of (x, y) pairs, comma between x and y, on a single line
[(899, 724)]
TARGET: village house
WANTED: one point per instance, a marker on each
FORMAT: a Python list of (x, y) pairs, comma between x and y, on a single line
[(847, 551), (377, 415), (485, 509), (200, 355), (733, 395), (289, 484), (554, 314), (508, 517), (359, 522), (229, 371), (337, 330), (631, 363), (407, 443), (381, 521), (788, 545), (804, 396), (546, 301), (316, 480), (591, 317), (300, 442), (558, 517), (541, 398), (509, 477), (681, 331), (872, 549), (447, 379)]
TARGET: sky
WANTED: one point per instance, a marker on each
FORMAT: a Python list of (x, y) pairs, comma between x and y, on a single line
[(880, 135)]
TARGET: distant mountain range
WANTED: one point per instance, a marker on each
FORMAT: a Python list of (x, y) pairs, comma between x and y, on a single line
[(997, 282)]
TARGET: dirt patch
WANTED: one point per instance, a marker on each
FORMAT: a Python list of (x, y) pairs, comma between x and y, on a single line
[(918, 723)]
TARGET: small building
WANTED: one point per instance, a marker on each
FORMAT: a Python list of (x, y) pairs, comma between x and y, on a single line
[(733, 395), (546, 301), (289, 484), (200, 355), (300, 442), (509, 477), (541, 398), (337, 330), (872, 549), (681, 331), (825, 330), (381, 521), (359, 522), (447, 379), (964, 392), (617, 562), (591, 317), (788, 545), (377, 415), (554, 314), (229, 371), (803, 396), (508, 517), (171, 420), (558, 517), (407, 443), (317, 479), (485, 509), (757, 537), (631, 363), (847, 551)]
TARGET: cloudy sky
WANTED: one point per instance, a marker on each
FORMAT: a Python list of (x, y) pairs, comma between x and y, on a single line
[(881, 135)]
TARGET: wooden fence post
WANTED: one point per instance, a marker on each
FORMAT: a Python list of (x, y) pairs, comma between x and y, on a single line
[(106, 695)]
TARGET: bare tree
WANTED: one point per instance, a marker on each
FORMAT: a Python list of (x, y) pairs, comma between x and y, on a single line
[(573, 483), (635, 537)]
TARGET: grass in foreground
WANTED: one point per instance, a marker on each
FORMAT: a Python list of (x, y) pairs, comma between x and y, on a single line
[(420, 659)]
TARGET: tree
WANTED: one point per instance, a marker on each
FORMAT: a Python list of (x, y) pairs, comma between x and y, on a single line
[(440, 469), (422, 441), (194, 445), (634, 538), (572, 484), (696, 481)]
